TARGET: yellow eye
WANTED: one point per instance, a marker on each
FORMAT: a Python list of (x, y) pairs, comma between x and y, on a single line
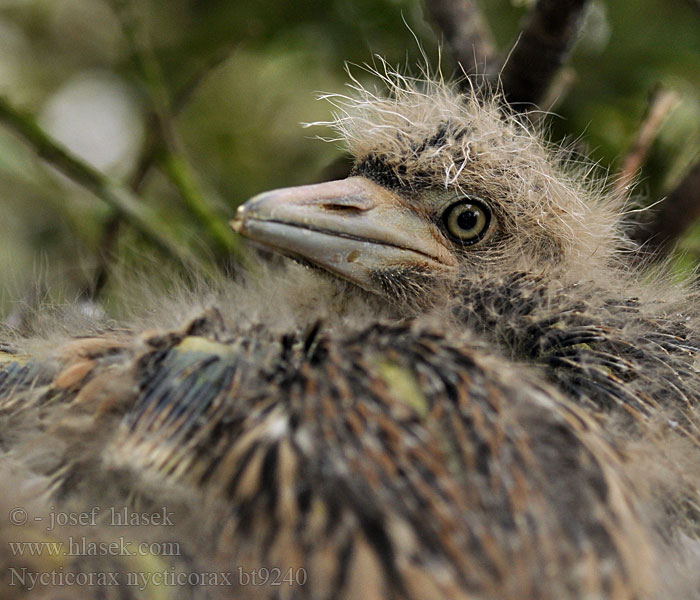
[(467, 221)]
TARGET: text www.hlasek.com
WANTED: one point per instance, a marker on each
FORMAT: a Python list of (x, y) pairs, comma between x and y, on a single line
[(80, 546)]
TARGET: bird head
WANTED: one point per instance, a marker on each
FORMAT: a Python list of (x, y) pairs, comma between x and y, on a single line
[(445, 185)]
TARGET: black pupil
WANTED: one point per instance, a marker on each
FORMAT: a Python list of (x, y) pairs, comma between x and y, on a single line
[(468, 219)]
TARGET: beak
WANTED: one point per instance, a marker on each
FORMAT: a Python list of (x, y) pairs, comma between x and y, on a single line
[(353, 228)]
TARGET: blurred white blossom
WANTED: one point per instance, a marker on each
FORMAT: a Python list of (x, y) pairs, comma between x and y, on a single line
[(96, 116)]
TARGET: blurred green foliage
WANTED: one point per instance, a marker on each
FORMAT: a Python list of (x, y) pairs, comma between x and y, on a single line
[(258, 67)]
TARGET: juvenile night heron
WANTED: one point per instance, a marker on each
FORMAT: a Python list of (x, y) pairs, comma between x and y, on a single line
[(455, 207), (479, 430)]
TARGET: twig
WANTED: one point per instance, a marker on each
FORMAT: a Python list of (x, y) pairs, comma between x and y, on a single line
[(674, 215), (105, 256), (661, 103), (113, 223), (467, 35), (180, 100), (543, 47), (182, 96), (179, 172), (109, 191), (172, 156), (160, 142), (149, 156)]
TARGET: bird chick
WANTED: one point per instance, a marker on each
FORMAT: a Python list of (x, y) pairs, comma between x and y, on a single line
[(445, 185), (455, 205), (420, 458)]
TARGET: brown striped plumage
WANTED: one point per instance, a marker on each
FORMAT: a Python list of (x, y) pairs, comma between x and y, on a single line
[(512, 414), (389, 462)]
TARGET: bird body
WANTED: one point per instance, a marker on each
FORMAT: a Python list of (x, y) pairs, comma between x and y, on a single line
[(486, 403), (386, 462)]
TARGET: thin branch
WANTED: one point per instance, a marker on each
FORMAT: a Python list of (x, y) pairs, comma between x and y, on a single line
[(184, 94), (112, 193), (674, 215), (105, 256), (150, 154), (661, 103), (110, 231), (543, 47), (181, 98), (171, 152), (467, 35), (179, 172)]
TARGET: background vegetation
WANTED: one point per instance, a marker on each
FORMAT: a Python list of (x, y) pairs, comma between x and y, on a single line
[(186, 108)]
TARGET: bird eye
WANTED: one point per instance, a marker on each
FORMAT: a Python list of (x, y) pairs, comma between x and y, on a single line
[(467, 221)]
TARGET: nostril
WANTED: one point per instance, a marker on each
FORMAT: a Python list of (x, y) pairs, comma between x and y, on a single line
[(343, 208), (347, 203)]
